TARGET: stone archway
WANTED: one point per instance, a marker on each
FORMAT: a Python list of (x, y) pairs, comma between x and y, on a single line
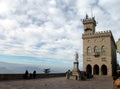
[(104, 70), (89, 69), (96, 70)]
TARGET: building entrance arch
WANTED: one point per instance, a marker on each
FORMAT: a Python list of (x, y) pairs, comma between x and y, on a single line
[(104, 70), (96, 70), (89, 69)]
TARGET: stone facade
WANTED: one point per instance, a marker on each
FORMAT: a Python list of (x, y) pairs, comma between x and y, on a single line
[(118, 46), (99, 50)]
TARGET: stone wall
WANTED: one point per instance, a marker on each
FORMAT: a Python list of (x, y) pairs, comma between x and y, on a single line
[(21, 76)]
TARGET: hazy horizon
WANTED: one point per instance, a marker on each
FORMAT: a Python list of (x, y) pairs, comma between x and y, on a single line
[(46, 33)]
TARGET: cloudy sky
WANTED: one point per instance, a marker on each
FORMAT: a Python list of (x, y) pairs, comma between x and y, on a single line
[(48, 32)]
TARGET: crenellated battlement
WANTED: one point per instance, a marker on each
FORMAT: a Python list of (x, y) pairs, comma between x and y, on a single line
[(103, 32), (98, 34), (89, 20)]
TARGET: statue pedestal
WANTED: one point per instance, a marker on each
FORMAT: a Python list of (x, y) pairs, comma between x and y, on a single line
[(75, 74), (76, 70)]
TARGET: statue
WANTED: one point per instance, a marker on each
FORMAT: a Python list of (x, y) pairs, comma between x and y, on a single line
[(76, 56), (75, 74)]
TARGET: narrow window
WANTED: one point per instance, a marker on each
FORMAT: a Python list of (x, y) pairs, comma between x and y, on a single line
[(103, 49), (96, 49), (103, 59), (88, 50)]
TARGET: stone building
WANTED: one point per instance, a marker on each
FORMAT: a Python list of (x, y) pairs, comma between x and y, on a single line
[(99, 50), (118, 46)]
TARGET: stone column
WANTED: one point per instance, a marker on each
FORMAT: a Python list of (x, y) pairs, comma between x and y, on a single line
[(92, 71), (100, 73)]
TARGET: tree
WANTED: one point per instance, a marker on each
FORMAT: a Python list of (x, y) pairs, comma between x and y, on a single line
[(47, 71)]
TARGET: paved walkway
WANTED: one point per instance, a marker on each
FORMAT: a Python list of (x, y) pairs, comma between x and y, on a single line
[(58, 83)]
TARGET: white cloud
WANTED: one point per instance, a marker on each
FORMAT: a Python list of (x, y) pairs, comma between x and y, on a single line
[(52, 28)]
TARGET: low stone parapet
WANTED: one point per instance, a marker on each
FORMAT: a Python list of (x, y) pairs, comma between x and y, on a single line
[(21, 76)]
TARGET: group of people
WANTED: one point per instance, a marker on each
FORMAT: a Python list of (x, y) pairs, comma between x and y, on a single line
[(28, 75)]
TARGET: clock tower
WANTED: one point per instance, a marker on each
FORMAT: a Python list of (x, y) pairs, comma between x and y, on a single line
[(89, 24), (99, 50)]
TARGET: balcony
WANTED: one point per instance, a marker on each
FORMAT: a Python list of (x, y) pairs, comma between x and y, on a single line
[(97, 54)]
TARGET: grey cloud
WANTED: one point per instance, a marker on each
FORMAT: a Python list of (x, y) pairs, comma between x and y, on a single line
[(44, 26)]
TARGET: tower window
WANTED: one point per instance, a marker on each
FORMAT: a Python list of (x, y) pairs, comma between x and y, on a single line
[(88, 30), (88, 50), (103, 49), (103, 59), (96, 49), (89, 59)]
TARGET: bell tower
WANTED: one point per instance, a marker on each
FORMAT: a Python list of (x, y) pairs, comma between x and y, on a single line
[(89, 24), (99, 50)]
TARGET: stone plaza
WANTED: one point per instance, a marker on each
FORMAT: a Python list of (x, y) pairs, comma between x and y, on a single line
[(103, 82)]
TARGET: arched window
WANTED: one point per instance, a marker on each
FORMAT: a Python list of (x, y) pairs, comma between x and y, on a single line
[(96, 49), (88, 30), (88, 50), (103, 49)]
